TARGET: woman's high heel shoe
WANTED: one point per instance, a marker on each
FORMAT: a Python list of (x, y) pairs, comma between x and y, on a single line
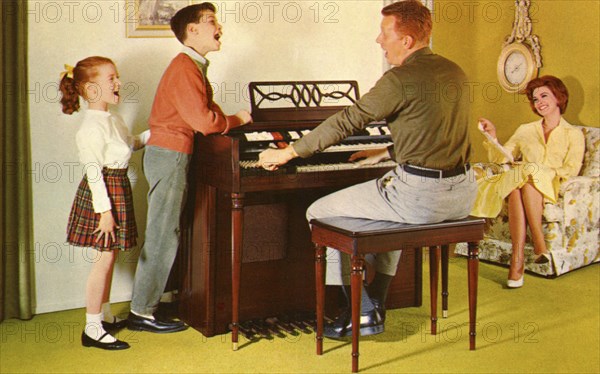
[(542, 258), (515, 283)]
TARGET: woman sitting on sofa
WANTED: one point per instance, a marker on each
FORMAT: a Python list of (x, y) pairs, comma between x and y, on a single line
[(548, 151)]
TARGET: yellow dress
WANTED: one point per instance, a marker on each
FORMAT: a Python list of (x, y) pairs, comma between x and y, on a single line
[(542, 163)]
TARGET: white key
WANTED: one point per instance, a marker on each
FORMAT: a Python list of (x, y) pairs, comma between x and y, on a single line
[(373, 131), (251, 136), (342, 166), (266, 136), (356, 147), (249, 164)]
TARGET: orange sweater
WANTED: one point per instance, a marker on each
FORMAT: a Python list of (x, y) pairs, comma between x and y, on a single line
[(183, 105)]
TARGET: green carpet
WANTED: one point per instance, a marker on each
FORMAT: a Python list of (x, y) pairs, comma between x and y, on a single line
[(548, 326)]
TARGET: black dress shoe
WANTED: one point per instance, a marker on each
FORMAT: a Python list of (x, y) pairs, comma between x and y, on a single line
[(161, 326), (114, 325), (380, 308), (370, 324), (86, 341)]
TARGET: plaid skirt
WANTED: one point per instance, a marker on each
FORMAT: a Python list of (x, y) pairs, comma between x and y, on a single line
[(83, 221)]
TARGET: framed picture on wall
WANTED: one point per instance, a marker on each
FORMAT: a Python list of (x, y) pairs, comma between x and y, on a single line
[(150, 18)]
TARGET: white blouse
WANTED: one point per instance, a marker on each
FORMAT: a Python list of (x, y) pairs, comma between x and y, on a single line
[(105, 141)]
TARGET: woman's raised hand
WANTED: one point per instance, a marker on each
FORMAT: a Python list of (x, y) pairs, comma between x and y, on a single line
[(488, 126)]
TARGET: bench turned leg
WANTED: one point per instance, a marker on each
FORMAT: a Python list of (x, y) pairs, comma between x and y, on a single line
[(320, 285), (356, 279), (473, 273), (434, 260), (445, 256)]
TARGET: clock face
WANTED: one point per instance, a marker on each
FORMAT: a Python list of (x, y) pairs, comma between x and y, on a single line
[(515, 68)]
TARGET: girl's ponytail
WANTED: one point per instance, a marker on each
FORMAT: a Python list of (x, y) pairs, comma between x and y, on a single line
[(70, 96)]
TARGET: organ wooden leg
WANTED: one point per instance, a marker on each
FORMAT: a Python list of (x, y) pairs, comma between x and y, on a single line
[(237, 224)]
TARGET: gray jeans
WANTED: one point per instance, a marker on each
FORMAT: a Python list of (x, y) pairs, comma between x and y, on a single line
[(399, 197), (166, 172)]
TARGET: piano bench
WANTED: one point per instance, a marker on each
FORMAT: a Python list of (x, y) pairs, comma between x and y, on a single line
[(358, 237)]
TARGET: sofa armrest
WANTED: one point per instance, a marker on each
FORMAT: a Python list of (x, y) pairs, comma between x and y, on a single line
[(580, 200), (571, 199), (574, 185)]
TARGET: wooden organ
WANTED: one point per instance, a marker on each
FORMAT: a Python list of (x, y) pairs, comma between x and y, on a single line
[(246, 251)]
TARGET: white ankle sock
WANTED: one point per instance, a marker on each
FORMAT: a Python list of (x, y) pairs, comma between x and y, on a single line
[(108, 316), (94, 329), (148, 316)]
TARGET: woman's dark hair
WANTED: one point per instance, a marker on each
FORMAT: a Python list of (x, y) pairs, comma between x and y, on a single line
[(72, 86), (558, 88), (187, 15)]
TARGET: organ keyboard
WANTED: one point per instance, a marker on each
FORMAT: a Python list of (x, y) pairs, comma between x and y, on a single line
[(375, 136), (242, 213)]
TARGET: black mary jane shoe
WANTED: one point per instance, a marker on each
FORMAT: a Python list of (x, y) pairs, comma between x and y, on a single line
[(86, 341), (114, 325), (371, 323), (156, 325)]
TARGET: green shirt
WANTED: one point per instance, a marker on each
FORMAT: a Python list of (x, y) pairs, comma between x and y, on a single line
[(425, 102)]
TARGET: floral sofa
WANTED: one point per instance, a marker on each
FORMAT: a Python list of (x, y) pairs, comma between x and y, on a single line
[(571, 226)]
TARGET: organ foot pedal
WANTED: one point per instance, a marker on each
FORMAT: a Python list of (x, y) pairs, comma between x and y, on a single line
[(282, 326)]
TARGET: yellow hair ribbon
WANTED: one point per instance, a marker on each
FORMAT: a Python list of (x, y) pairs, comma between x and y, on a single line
[(68, 72)]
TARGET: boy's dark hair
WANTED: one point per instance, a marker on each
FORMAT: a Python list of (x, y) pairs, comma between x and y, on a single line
[(187, 15)]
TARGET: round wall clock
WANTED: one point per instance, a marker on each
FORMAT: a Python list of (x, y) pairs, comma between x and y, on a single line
[(516, 67)]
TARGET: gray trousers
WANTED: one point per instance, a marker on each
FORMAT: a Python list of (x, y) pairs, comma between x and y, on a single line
[(166, 172), (399, 197)]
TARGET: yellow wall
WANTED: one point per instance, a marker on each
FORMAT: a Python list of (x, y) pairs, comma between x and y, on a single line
[(472, 33)]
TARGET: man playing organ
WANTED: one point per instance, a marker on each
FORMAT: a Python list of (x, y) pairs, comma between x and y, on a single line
[(428, 118)]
